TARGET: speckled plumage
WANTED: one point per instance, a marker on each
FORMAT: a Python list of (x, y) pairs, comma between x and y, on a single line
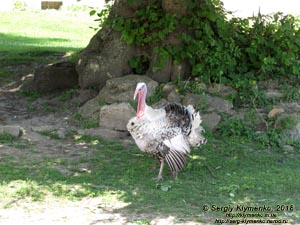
[(167, 134)]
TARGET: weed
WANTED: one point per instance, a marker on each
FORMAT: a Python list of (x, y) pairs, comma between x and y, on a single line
[(157, 95), (189, 86), (139, 64), (67, 95), (6, 138), (235, 127), (92, 123), (78, 117), (31, 95), (102, 102), (234, 51), (51, 134), (290, 93), (84, 123)]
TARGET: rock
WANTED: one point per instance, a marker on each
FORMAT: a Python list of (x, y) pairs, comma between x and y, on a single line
[(291, 107), (90, 109), (221, 90), (122, 89), (180, 71), (161, 75), (175, 7), (208, 103), (61, 133), (104, 133), (218, 104), (174, 97), (105, 57), (192, 99), (168, 88), (275, 111), (210, 120), (13, 130), (294, 133), (288, 148), (59, 76), (84, 96), (273, 94), (116, 116), (160, 104)]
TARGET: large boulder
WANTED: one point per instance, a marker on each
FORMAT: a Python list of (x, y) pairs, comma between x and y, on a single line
[(105, 57), (58, 76), (13, 130), (116, 116), (208, 103), (121, 89), (90, 109), (294, 133), (211, 120)]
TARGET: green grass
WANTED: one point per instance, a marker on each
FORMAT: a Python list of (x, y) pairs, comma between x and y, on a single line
[(44, 30), (28, 37), (221, 173)]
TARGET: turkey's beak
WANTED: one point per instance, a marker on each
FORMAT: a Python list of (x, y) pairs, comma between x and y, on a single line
[(135, 93)]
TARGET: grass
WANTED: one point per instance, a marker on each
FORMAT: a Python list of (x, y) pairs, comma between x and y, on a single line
[(28, 37), (222, 173), (226, 172)]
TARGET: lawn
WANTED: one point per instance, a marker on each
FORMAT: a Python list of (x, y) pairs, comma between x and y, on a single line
[(40, 37), (225, 179), (221, 175)]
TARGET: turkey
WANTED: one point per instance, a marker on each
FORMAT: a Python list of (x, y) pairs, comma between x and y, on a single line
[(166, 133)]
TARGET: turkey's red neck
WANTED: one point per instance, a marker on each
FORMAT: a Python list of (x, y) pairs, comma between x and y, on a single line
[(141, 103)]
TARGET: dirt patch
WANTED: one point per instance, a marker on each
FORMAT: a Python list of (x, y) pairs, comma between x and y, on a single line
[(38, 118)]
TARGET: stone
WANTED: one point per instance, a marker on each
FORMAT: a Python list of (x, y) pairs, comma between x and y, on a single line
[(192, 99), (104, 133), (275, 111), (168, 88), (208, 103), (221, 90), (91, 109), (175, 7), (159, 104), (105, 57), (161, 75), (122, 89), (59, 76), (174, 97), (116, 116), (180, 71), (288, 148), (218, 104), (210, 120), (294, 133), (274, 94), (13, 130), (84, 96), (291, 107), (61, 133)]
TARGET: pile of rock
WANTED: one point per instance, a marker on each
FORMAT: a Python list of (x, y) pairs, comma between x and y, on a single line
[(113, 105)]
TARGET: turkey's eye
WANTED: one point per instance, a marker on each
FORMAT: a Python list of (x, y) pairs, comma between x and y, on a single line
[(132, 123)]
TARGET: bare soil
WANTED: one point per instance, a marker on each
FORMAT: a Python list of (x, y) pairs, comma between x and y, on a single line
[(49, 113)]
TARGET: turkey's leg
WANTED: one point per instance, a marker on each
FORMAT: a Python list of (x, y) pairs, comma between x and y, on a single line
[(162, 163)]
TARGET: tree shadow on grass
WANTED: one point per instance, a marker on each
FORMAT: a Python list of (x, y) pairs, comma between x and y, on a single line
[(221, 176), (10, 43)]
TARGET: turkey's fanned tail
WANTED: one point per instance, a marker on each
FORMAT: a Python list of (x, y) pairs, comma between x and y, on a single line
[(176, 160)]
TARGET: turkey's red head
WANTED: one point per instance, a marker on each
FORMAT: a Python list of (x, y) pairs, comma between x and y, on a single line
[(141, 91)]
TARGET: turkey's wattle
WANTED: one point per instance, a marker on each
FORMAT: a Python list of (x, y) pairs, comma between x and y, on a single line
[(166, 133)]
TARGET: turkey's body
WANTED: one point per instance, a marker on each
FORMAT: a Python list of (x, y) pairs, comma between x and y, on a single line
[(167, 134)]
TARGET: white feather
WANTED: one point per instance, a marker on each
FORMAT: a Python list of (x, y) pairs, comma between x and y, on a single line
[(178, 143)]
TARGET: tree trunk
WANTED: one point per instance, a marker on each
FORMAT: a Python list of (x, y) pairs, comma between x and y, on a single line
[(107, 55)]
